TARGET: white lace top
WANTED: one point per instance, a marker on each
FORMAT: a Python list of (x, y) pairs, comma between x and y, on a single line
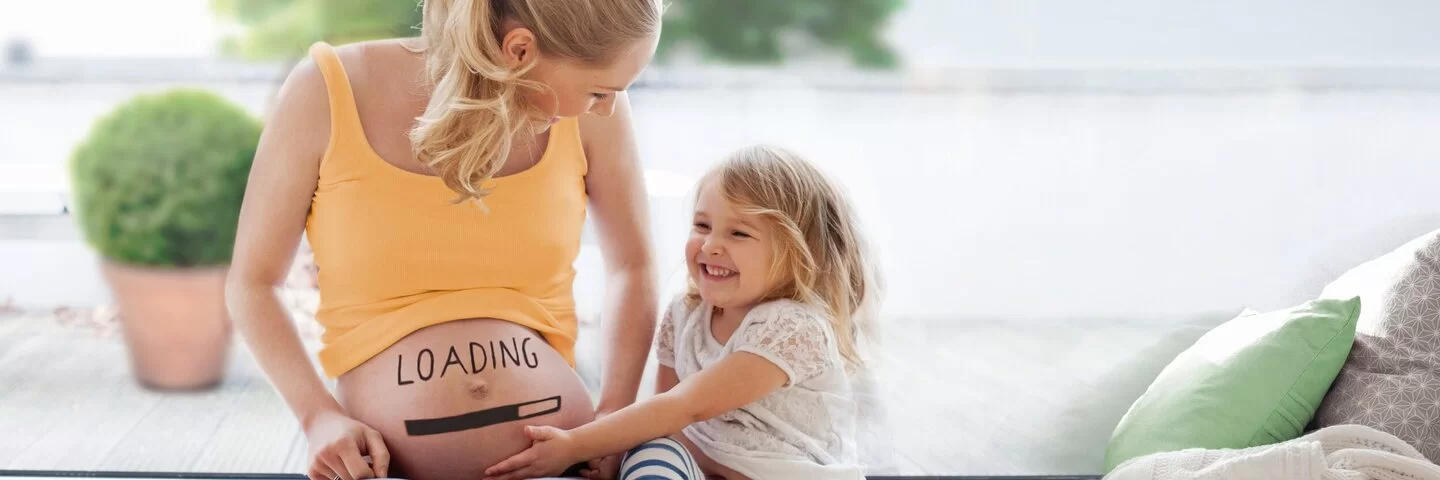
[(806, 429)]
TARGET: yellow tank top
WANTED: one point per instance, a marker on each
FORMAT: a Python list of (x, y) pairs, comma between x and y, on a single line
[(396, 255)]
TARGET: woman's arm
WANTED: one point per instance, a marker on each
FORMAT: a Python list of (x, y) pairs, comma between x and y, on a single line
[(618, 198), (272, 217), (665, 379)]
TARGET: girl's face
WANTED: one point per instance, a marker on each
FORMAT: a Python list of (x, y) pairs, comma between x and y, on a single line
[(729, 253)]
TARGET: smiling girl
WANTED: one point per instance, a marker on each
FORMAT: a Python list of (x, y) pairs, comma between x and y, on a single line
[(756, 358)]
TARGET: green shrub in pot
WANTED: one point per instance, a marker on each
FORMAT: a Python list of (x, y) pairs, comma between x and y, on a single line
[(159, 181), (157, 187)]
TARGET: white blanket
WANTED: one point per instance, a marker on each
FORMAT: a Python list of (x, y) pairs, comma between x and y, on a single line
[(1341, 452)]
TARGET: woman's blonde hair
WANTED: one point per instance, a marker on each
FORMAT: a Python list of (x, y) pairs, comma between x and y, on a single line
[(477, 108), (820, 256)]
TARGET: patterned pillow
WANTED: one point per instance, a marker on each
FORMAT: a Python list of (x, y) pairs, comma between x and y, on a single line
[(1391, 381)]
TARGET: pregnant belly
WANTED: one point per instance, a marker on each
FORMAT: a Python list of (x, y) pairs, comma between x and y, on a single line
[(452, 399)]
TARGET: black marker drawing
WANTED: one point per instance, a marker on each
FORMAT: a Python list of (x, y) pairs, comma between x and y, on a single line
[(454, 359), (424, 376), (516, 353), (483, 418)]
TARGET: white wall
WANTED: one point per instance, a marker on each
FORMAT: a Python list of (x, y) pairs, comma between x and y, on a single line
[(986, 206), (1095, 205), (1145, 33)]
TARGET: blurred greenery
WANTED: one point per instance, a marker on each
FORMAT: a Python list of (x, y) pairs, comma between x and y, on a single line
[(286, 28), (759, 31), (159, 180), (725, 31)]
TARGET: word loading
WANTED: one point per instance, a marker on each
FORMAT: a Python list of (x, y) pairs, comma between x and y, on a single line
[(502, 354)]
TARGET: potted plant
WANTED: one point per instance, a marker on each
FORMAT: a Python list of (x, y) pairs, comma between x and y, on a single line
[(157, 186)]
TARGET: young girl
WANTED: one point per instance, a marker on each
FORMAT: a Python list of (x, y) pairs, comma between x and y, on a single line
[(755, 359)]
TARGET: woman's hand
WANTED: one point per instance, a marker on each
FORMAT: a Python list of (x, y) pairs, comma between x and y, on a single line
[(337, 445), (553, 451), (607, 468), (603, 468)]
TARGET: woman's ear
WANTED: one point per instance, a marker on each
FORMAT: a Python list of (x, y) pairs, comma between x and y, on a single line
[(519, 47)]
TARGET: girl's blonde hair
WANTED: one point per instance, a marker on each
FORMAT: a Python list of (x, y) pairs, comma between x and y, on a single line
[(820, 255), (477, 109)]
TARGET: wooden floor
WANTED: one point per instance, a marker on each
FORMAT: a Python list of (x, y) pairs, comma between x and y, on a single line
[(963, 400)]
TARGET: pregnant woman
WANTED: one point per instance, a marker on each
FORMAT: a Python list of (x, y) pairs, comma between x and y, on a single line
[(443, 182)]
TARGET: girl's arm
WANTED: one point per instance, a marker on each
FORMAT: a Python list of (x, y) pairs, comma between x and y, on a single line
[(272, 216), (616, 185), (735, 381), (738, 380)]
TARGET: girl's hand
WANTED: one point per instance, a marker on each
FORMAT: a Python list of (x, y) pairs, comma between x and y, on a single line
[(337, 445), (552, 452)]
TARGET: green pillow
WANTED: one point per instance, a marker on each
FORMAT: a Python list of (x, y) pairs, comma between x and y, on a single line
[(1255, 380)]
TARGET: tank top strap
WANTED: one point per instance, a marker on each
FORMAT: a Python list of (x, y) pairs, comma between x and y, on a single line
[(570, 145), (345, 127)]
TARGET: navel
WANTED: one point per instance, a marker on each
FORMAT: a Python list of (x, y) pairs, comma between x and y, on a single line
[(479, 389)]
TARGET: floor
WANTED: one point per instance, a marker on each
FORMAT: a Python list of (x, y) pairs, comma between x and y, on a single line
[(49, 475), (956, 394)]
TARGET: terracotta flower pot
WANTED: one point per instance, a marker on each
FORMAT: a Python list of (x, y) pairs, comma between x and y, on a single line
[(175, 323)]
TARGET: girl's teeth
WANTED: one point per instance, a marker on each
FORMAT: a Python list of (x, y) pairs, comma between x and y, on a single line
[(717, 271)]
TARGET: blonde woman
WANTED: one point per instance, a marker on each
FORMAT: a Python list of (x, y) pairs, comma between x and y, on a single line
[(442, 183)]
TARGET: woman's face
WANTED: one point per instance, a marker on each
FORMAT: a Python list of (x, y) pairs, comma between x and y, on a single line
[(577, 88)]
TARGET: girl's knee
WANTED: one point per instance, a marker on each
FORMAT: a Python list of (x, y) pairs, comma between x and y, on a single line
[(660, 458)]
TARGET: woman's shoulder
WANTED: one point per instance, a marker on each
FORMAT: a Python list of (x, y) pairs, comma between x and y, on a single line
[(371, 59), (307, 82)]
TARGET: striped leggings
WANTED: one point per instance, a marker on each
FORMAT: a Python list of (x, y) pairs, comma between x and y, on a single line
[(660, 459)]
